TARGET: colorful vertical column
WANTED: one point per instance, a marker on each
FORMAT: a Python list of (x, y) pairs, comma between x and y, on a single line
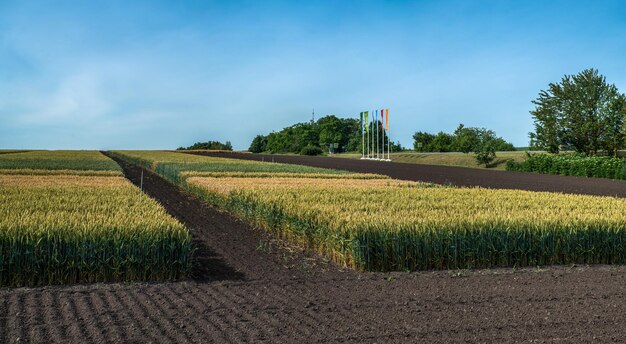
[(388, 138), (382, 130), (377, 135), (362, 137), (372, 132), (367, 132)]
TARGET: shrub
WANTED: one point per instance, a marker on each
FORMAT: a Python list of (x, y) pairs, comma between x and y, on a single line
[(572, 165), (311, 150)]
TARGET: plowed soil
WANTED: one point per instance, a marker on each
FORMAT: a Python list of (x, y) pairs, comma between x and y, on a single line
[(246, 287), (460, 176)]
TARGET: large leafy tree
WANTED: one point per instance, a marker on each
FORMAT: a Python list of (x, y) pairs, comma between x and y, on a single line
[(345, 132), (421, 140), (442, 142), (582, 112), (465, 139), (259, 144), (485, 145)]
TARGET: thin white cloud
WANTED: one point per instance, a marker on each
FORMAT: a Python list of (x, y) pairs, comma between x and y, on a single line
[(78, 98)]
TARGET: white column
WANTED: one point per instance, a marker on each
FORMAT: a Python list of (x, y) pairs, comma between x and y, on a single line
[(382, 125), (362, 136), (377, 136)]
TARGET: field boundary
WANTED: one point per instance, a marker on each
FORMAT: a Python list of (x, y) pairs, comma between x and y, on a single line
[(450, 175), (227, 248)]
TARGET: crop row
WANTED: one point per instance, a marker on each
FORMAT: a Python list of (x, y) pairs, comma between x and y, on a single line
[(70, 217), (42, 172), (172, 165), (381, 224), (58, 160), (188, 174), (225, 185), (68, 229), (407, 226)]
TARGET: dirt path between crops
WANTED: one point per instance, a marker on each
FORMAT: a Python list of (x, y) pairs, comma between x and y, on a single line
[(460, 176), (246, 288)]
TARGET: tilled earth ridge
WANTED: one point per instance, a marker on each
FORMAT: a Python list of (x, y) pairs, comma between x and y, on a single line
[(248, 288)]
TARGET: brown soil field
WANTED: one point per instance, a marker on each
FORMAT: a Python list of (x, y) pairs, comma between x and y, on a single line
[(459, 176), (247, 287)]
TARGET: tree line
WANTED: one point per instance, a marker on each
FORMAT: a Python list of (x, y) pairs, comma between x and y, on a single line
[(209, 145), (481, 141), (463, 139), (313, 138), (344, 134), (582, 112)]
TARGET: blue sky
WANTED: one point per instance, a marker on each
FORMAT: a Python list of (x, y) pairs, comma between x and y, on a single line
[(156, 75)]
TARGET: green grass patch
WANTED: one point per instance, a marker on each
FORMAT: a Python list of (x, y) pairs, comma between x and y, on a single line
[(448, 159), (58, 160), (31, 172), (11, 151)]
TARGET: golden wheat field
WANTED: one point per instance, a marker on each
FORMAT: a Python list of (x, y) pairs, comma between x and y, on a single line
[(394, 225), (376, 223), (225, 185), (187, 174), (83, 228)]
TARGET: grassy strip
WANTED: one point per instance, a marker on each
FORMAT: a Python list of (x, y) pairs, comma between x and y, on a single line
[(11, 151), (208, 151), (448, 159), (77, 229), (58, 160)]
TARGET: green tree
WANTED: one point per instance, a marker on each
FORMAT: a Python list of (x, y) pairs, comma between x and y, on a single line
[(613, 136), (276, 142), (442, 142), (465, 139), (501, 145), (259, 144), (330, 128), (343, 131), (209, 145), (346, 132), (546, 120), (582, 112), (421, 140), (396, 146), (485, 149)]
